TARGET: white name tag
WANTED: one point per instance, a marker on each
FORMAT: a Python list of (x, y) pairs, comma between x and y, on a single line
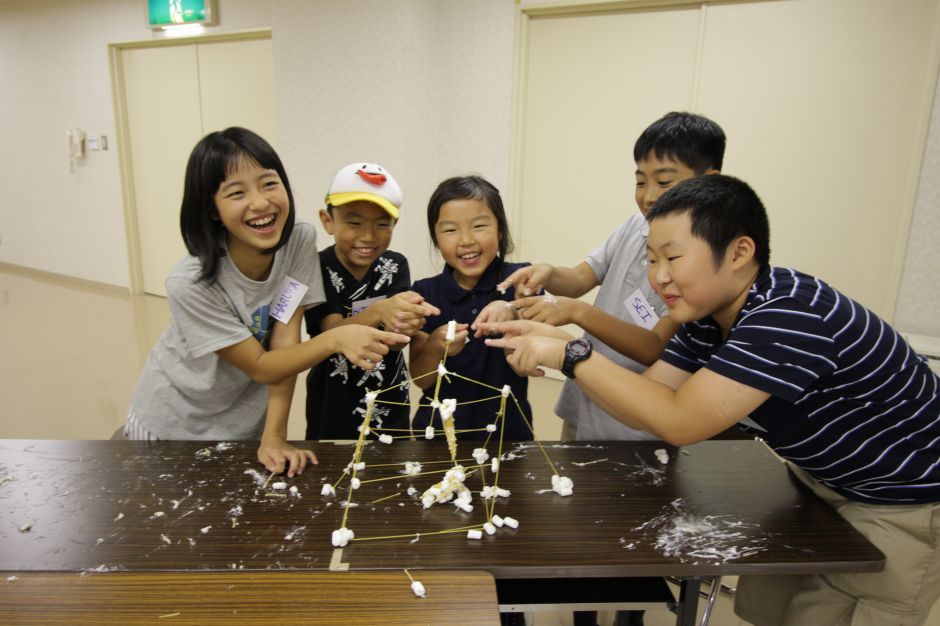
[(640, 310), (360, 305), (287, 300)]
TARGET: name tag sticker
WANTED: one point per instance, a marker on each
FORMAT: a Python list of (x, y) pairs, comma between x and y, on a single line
[(360, 305), (640, 310), (287, 300)]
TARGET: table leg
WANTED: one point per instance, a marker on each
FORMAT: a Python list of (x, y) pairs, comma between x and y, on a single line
[(688, 601)]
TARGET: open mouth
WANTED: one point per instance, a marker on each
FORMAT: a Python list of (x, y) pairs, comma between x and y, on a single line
[(263, 224), (364, 252), (470, 259)]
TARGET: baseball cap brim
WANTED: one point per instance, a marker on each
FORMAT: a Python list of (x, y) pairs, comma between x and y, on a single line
[(339, 199)]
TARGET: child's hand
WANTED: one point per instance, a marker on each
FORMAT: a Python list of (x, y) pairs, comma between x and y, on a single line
[(522, 328), (529, 279), (549, 309), (495, 311), (276, 455), (405, 312), (439, 336), (364, 346), (527, 354)]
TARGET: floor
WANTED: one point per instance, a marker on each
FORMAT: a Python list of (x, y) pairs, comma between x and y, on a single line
[(72, 352)]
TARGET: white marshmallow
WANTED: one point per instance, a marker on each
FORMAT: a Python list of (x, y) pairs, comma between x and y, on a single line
[(491, 428), (474, 534), (489, 528), (341, 537), (481, 455), (463, 505), (354, 483), (294, 490), (511, 522), (562, 485), (502, 493), (506, 391), (418, 588), (412, 468), (361, 465), (411, 491), (327, 490), (451, 330), (368, 430), (494, 465), (278, 486), (429, 432), (427, 501), (385, 438), (441, 370), (497, 521)]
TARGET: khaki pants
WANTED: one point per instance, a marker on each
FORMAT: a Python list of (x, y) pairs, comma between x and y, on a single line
[(900, 595)]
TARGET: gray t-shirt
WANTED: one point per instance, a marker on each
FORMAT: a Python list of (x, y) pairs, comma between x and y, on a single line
[(185, 390), (620, 266)]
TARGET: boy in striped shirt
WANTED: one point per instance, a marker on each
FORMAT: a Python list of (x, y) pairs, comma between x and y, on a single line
[(840, 394)]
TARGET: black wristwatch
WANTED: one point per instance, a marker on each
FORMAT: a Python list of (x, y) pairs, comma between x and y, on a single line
[(576, 351)]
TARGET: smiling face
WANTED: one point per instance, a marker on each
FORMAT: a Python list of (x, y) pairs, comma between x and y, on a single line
[(362, 231), (467, 235), (654, 176), (683, 272), (253, 205)]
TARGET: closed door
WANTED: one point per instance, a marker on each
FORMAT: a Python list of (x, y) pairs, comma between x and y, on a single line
[(174, 95)]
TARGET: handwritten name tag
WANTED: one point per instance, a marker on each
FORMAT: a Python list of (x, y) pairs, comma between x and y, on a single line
[(287, 300), (640, 310)]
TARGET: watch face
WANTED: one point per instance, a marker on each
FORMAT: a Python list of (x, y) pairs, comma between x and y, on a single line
[(578, 347)]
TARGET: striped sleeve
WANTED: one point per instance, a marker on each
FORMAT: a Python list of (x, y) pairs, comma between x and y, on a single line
[(781, 347)]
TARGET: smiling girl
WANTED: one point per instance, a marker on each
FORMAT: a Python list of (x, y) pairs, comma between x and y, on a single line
[(468, 225), (225, 368)]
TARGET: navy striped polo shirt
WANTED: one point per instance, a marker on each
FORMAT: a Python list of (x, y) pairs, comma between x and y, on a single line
[(851, 402)]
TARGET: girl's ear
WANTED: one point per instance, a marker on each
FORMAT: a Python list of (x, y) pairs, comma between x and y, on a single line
[(327, 220)]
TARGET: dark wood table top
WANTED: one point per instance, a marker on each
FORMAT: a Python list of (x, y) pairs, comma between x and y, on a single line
[(256, 597), (716, 508)]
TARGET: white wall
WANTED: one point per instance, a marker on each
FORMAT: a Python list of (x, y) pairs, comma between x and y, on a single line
[(421, 86), (54, 75)]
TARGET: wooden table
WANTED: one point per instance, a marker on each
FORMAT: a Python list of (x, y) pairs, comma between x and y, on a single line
[(717, 508), (249, 597)]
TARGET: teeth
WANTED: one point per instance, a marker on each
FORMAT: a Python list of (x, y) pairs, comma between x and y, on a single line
[(261, 221)]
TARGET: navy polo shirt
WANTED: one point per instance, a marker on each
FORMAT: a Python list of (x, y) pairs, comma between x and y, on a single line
[(476, 361)]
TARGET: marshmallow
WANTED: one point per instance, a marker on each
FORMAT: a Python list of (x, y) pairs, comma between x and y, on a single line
[(441, 370), (368, 430), (294, 490), (278, 486), (506, 391), (481, 455), (341, 537), (491, 428), (494, 465), (370, 397), (451, 330), (385, 438), (327, 490), (411, 491), (418, 588), (412, 468), (354, 483), (463, 505), (474, 534), (361, 465), (489, 528), (497, 521), (511, 522), (502, 493), (427, 501), (562, 485), (429, 432)]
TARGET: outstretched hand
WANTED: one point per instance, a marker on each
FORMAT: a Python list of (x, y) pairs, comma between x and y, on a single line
[(528, 354), (528, 280), (518, 328), (364, 346), (554, 310), (405, 312)]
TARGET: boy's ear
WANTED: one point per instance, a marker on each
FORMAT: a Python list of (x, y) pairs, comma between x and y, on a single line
[(327, 220), (741, 251), (711, 171)]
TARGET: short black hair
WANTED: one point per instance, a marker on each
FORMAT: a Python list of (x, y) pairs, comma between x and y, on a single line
[(720, 209), (471, 187), (211, 161), (692, 139)]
